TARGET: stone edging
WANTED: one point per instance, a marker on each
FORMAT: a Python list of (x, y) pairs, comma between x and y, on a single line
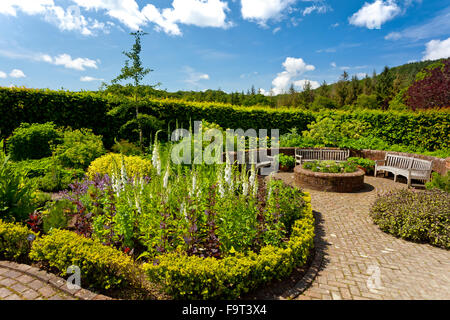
[(53, 280), (306, 281)]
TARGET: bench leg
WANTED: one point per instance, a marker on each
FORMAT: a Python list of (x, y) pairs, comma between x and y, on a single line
[(395, 178), (409, 183)]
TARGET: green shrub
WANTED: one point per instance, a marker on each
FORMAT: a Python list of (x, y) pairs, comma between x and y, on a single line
[(367, 164), (285, 160), (439, 182), (79, 149), (367, 101), (15, 241), (126, 148), (57, 215), (192, 277), (422, 216), (102, 267), (32, 141), (16, 192)]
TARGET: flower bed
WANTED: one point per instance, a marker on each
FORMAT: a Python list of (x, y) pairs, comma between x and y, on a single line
[(330, 182)]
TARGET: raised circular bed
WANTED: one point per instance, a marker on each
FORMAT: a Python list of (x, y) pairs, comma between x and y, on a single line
[(330, 182)]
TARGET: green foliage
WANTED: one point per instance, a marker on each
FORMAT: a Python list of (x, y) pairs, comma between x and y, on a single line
[(57, 215), (32, 141), (329, 166), (439, 182), (367, 101), (321, 102), (126, 148), (14, 241), (16, 193), (102, 267), (324, 131), (367, 164), (285, 160), (398, 102), (192, 277), (79, 149), (422, 216)]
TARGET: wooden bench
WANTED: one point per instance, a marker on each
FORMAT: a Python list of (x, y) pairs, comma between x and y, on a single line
[(302, 155), (408, 167)]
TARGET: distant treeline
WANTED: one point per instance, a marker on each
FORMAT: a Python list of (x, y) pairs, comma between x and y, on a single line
[(395, 88)]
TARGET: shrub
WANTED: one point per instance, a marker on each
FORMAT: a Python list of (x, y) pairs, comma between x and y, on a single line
[(57, 215), (439, 182), (33, 141), (418, 216), (286, 161), (16, 193), (324, 131), (126, 148), (367, 101), (102, 267), (367, 164), (192, 277), (112, 162), (79, 149), (15, 241)]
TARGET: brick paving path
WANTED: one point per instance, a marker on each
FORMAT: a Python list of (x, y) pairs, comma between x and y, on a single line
[(356, 253), (22, 282)]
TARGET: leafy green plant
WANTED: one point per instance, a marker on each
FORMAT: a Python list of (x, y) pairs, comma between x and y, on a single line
[(33, 141), (15, 241), (16, 193), (126, 148), (79, 148), (367, 164), (421, 216), (57, 215), (439, 182), (285, 160), (330, 166)]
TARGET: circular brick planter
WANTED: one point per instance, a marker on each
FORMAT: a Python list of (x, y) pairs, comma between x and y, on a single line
[(330, 182)]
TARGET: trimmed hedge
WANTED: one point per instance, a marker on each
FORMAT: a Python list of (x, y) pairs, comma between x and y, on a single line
[(88, 110), (422, 216), (14, 242), (192, 277), (101, 266)]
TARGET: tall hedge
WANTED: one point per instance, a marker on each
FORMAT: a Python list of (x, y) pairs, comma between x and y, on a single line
[(78, 110), (428, 129)]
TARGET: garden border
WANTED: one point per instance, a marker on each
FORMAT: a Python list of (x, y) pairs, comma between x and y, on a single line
[(53, 280)]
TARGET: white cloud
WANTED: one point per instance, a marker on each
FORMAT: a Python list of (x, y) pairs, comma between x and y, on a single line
[(195, 77), (90, 79), (200, 13), (30, 7), (333, 64), (3, 75), (293, 67), (437, 49), (263, 10), (373, 15), (301, 84), (277, 29), (69, 63), (16, 73)]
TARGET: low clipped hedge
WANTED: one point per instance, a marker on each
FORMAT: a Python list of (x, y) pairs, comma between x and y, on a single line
[(112, 163), (192, 277), (101, 266), (15, 241), (422, 216)]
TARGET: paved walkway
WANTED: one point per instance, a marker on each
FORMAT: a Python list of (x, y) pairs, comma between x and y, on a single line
[(22, 282), (362, 262)]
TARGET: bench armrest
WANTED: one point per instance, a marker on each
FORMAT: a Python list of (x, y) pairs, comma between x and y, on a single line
[(379, 161)]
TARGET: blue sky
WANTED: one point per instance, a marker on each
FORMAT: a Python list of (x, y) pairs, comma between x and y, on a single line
[(211, 44)]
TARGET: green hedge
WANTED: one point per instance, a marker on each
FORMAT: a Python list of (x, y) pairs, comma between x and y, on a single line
[(192, 277), (430, 129), (77, 110), (14, 242), (101, 266)]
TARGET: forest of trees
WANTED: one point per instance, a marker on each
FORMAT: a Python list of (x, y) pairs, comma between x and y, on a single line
[(409, 86)]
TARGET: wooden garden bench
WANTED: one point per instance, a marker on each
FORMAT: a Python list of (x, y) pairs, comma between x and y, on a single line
[(302, 155), (408, 167)]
